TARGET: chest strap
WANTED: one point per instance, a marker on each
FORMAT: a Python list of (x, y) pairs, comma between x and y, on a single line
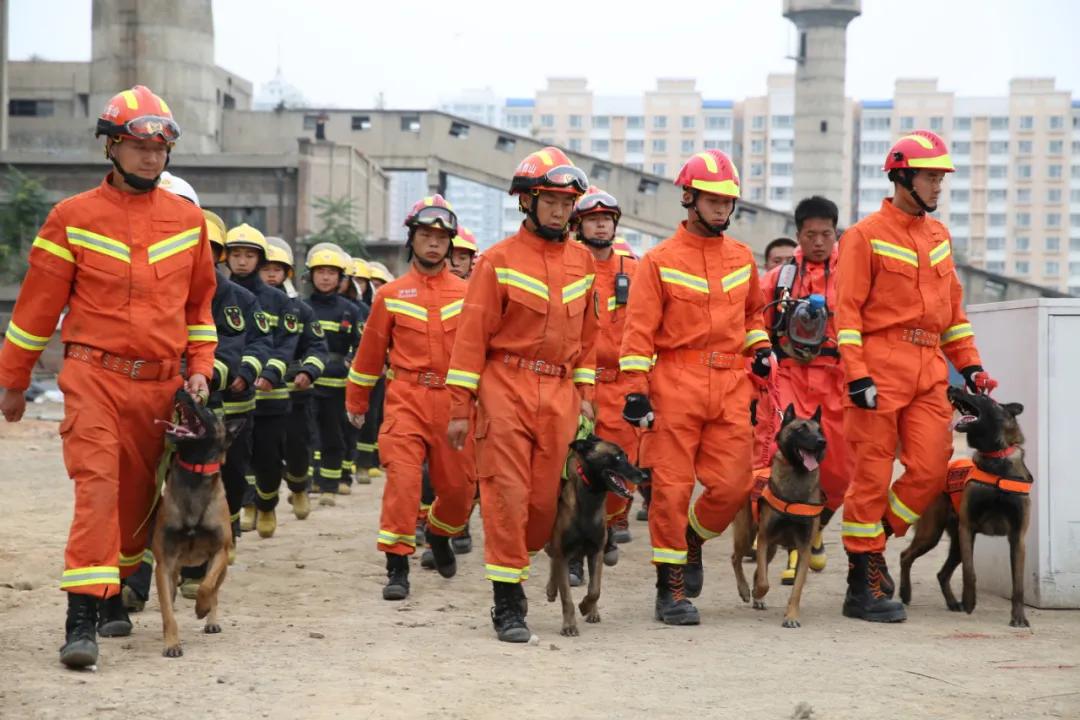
[(800, 510)]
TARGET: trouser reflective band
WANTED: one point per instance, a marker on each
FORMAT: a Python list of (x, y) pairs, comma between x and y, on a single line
[(366, 447), (703, 532), (862, 530), (250, 479), (130, 560), (669, 556), (388, 538), (902, 511), (448, 529), (94, 575), (266, 495), (500, 573)]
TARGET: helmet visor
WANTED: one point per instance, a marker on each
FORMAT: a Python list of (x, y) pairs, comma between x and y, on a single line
[(565, 176), (597, 202), (149, 127), (435, 216)]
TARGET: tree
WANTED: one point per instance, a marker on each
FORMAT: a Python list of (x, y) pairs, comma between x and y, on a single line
[(20, 217), (336, 217)]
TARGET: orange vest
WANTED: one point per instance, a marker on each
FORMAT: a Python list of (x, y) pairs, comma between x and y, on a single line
[(963, 470)]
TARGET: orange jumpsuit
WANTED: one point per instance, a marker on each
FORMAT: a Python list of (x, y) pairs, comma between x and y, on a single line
[(137, 276), (696, 303), (526, 337), (416, 317), (612, 386), (900, 307), (819, 382)]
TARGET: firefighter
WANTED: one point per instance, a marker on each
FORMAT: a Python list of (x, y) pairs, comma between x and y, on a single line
[(900, 315), (355, 287), (133, 267), (463, 253), (525, 350), (340, 320), (778, 252), (696, 304), (305, 367), (801, 301), (415, 319), (596, 218), (246, 251)]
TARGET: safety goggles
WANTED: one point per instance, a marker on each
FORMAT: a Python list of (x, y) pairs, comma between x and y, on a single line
[(564, 176), (435, 215), (597, 202), (150, 127)]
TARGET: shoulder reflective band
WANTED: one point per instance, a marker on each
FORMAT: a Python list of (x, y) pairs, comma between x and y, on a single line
[(452, 310), (172, 245), (362, 379), (957, 332), (896, 252), (99, 244), (462, 378), (25, 340), (682, 279), (576, 289), (52, 248), (942, 251), (733, 280), (513, 278), (635, 362), (849, 337), (408, 309)]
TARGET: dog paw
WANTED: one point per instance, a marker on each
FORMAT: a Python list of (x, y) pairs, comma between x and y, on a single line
[(759, 605), (569, 631), (1019, 622), (173, 651), (551, 595), (790, 623), (954, 605), (969, 605), (593, 616), (744, 594), (212, 628)]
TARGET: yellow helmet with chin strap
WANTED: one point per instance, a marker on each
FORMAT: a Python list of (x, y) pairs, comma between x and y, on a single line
[(245, 235), (280, 252)]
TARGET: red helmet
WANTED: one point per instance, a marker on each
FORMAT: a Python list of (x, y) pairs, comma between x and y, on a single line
[(920, 150), (548, 169), (433, 211), (712, 172), (138, 113), (596, 201), (464, 240)]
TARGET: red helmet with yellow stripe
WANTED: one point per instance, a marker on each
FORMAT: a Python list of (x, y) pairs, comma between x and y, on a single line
[(550, 170), (464, 240), (920, 150), (711, 171), (433, 211), (138, 113)]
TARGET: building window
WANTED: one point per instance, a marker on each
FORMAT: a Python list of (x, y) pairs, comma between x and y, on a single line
[(959, 195), (600, 146), (780, 169), (689, 122), (960, 242), (999, 171), (575, 121), (547, 121), (999, 123), (635, 166), (659, 169), (718, 122), (1054, 171), (1023, 219), (786, 145), (907, 123), (960, 148), (937, 123), (781, 122), (1052, 268), (1025, 147), (757, 147), (1074, 244), (687, 147), (1076, 147), (659, 145), (757, 169), (722, 145), (996, 219), (876, 123), (519, 122), (869, 171), (1074, 197), (997, 196), (961, 123), (1022, 267), (1023, 172), (32, 108), (574, 145), (635, 146), (995, 243), (1023, 195), (999, 147), (755, 194), (601, 122), (1053, 220), (1074, 268), (635, 122), (1076, 172), (780, 193), (757, 122), (1027, 122), (1053, 244), (1056, 147), (1057, 122), (1053, 195), (311, 121), (958, 219), (996, 266), (361, 122), (659, 122), (1074, 221), (1022, 243)]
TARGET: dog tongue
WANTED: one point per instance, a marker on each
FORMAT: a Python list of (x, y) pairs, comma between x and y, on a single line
[(809, 460), (961, 420)]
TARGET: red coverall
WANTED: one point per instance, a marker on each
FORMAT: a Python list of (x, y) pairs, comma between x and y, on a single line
[(900, 307), (137, 276), (612, 386), (696, 303), (416, 317), (526, 336), (819, 382)]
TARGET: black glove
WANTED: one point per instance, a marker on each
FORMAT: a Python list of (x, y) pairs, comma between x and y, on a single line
[(638, 410), (863, 393), (762, 364), (753, 412)]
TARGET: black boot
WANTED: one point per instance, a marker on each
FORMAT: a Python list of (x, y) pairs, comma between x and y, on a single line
[(865, 599), (694, 572), (397, 573), (80, 647), (672, 607), (877, 564), (576, 570), (611, 549), (445, 562), (462, 544), (507, 616), (427, 559), (113, 620)]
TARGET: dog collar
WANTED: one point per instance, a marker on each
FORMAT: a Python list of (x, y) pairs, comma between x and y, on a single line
[(200, 468), (581, 474), (1003, 453)]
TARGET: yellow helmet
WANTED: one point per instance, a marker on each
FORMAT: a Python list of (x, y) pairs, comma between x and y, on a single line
[(246, 236), (328, 257), (360, 269), (280, 251), (379, 272), (215, 229)]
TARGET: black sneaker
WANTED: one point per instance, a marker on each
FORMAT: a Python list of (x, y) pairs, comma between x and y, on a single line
[(397, 574), (80, 646), (113, 620), (507, 616)]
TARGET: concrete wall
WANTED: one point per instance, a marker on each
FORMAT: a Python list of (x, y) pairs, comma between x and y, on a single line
[(330, 170)]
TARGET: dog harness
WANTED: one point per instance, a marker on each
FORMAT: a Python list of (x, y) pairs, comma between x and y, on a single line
[(762, 490), (963, 470)]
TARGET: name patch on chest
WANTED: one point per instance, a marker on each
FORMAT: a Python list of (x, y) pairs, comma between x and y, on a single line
[(407, 293)]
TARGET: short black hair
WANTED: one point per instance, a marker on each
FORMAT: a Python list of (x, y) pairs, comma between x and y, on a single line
[(815, 206), (779, 242)]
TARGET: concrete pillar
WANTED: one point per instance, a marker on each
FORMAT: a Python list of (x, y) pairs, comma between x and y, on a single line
[(819, 94), (3, 75)]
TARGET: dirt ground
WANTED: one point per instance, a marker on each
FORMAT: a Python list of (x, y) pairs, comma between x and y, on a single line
[(307, 635)]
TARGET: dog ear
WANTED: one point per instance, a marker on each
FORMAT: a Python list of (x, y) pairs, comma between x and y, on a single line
[(581, 447), (817, 415), (1013, 409), (789, 414)]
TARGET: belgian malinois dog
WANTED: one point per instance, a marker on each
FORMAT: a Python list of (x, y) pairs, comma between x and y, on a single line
[(788, 513), (594, 467), (192, 523), (988, 494)]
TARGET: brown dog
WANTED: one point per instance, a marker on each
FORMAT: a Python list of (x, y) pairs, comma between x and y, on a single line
[(787, 513), (192, 524), (594, 467), (988, 495)]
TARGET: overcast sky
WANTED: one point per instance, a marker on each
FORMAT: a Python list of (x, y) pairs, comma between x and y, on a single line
[(343, 52)]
